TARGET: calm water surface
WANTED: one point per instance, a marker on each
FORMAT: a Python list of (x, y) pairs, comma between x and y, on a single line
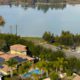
[(34, 21)]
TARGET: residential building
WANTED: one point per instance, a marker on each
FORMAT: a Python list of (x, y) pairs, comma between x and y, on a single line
[(77, 77), (18, 49)]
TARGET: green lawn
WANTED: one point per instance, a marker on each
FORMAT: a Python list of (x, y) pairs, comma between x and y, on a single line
[(34, 39)]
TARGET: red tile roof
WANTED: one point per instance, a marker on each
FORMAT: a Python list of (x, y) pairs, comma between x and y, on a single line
[(5, 68), (77, 77), (9, 56), (18, 47), (1, 53)]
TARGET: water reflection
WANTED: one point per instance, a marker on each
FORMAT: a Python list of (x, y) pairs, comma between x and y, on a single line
[(43, 5), (45, 8)]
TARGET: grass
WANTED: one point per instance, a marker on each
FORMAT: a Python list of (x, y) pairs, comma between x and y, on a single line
[(56, 44), (34, 39)]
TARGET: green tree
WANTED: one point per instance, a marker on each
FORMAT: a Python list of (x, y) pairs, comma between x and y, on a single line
[(35, 77), (73, 64), (59, 64), (66, 38), (43, 65), (2, 22), (48, 37), (11, 63), (53, 76)]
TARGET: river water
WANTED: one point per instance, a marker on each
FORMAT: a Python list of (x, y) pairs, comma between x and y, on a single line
[(34, 20)]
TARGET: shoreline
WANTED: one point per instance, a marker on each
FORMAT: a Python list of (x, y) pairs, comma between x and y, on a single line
[(42, 3)]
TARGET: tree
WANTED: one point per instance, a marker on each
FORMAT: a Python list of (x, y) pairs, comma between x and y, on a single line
[(35, 77), (56, 65), (73, 64), (53, 76), (66, 38), (59, 64), (43, 65), (48, 37), (2, 22), (11, 63)]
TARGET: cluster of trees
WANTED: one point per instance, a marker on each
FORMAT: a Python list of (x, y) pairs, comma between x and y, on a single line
[(64, 65), (66, 38), (48, 37)]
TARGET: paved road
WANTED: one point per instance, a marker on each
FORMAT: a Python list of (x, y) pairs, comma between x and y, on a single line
[(54, 48), (72, 53)]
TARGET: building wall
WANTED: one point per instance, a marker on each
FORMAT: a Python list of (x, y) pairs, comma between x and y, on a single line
[(4, 73), (18, 52)]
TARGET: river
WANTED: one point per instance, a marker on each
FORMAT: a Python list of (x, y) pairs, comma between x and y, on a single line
[(34, 20)]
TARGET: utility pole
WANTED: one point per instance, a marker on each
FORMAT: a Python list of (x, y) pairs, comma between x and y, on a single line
[(0, 30), (16, 30), (10, 29)]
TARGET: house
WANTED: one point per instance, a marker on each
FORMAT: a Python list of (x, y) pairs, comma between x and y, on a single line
[(4, 69), (47, 79), (17, 52), (6, 57), (18, 49), (1, 53), (77, 77)]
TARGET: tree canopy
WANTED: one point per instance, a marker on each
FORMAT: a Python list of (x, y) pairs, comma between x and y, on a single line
[(2, 22)]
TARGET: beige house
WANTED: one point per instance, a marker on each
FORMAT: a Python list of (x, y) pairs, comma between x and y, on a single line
[(18, 49), (77, 77), (17, 52), (9, 56), (1, 53), (5, 69), (47, 79)]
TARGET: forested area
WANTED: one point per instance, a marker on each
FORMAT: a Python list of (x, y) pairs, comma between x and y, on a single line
[(66, 38)]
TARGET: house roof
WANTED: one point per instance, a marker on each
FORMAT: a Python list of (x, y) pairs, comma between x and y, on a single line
[(1, 52), (77, 77), (5, 69), (19, 59), (9, 56), (18, 47), (26, 57)]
